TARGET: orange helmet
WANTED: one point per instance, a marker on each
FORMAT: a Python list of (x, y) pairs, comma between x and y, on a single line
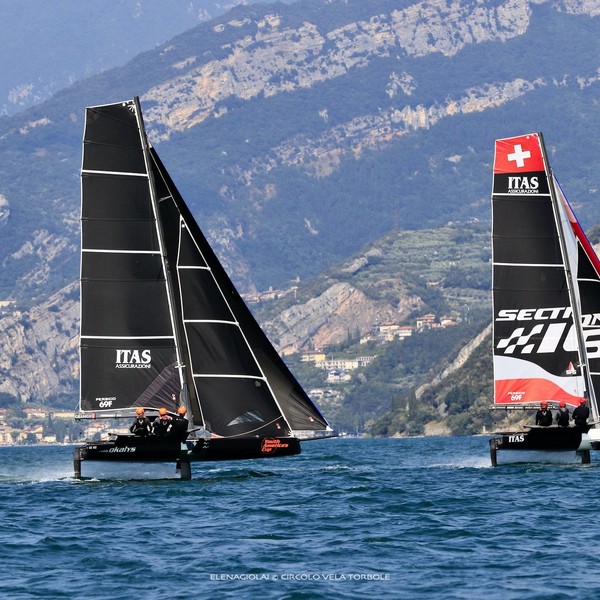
[(139, 410), (182, 410), (162, 411)]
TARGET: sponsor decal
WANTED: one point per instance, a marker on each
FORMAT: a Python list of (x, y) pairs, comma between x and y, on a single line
[(105, 402), (271, 444), (532, 389), (115, 450), (519, 437), (571, 370), (523, 185), (554, 329), (133, 359)]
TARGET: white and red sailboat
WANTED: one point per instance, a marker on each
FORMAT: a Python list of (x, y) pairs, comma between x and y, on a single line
[(546, 298)]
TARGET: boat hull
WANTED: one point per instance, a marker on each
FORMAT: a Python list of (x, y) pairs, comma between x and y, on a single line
[(137, 457), (541, 444)]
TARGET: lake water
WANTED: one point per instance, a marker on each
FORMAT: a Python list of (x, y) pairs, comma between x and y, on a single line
[(348, 518)]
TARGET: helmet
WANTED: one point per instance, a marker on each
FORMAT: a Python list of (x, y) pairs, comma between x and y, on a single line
[(562, 404), (182, 410), (139, 410), (583, 401), (162, 411), (544, 403)]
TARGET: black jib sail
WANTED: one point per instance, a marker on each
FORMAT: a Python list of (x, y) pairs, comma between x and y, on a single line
[(162, 325)]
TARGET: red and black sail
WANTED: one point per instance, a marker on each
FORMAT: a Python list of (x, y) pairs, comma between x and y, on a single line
[(538, 303)]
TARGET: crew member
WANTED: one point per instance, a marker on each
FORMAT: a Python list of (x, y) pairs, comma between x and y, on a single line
[(179, 424), (543, 416), (562, 416), (162, 423), (581, 414), (141, 424)]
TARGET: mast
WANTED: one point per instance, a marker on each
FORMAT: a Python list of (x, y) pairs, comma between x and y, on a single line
[(169, 281), (571, 285)]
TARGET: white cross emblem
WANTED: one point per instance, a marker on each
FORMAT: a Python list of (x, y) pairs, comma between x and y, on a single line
[(519, 156)]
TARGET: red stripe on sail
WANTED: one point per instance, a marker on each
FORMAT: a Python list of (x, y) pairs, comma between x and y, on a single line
[(520, 391), (521, 154)]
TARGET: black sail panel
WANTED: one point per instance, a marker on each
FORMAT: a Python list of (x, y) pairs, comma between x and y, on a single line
[(220, 349), (127, 343), (220, 329), (111, 139), (239, 407), (126, 375)]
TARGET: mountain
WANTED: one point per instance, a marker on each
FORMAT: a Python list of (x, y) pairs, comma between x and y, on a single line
[(44, 43), (305, 131), (301, 135)]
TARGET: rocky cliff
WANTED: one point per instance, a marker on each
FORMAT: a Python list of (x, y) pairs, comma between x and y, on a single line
[(39, 359), (304, 133)]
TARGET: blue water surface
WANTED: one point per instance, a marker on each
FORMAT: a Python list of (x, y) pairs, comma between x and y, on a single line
[(393, 518)]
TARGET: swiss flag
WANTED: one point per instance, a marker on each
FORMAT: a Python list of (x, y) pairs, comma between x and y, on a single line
[(521, 154)]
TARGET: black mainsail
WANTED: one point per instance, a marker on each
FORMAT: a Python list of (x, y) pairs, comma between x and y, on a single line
[(162, 325), (546, 296)]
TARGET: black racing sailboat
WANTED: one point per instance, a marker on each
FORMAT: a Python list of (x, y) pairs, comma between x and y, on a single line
[(162, 325), (546, 297)]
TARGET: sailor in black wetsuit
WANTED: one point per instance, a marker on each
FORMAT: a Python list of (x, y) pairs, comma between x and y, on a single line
[(141, 425), (162, 424), (179, 424), (562, 416), (581, 414), (543, 416)]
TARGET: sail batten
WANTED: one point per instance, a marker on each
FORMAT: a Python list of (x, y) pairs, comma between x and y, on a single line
[(514, 264), (229, 376), (116, 173)]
